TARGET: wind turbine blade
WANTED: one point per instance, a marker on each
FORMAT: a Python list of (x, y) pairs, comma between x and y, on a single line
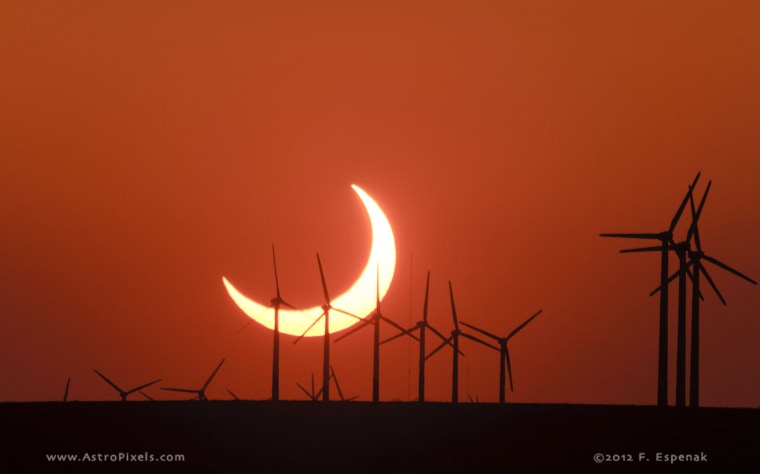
[(377, 288), (453, 307), (248, 323), (397, 326), (485, 333), (308, 329), (670, 279), (712, 283), (405, 332), (337, 385), (728, 269), (183, 390), (674, 222), (347, 313), (143, 386), (109, 382), (322, 276), (436, 332), (276, 278), (285, 303), (146, 396), (633, 236), (358, 327), (695, 214), (427, 290), (233, 395), (473, 338), (524, 324), (509, 368), (443, 344), (213, 374), (311, 397), (644, 249)]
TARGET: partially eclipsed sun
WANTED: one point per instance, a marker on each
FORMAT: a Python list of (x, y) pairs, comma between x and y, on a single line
[(358, 300)]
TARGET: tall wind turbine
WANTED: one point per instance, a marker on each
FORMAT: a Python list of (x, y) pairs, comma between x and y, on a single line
[(696, 256), (421, 326), (666, 239), (201, 393), (326, 308), (453, 340), (124, 393), (504, 353), (276, 302), (375, 319)]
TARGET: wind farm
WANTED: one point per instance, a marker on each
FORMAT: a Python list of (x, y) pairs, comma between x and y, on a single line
[(535, 227)]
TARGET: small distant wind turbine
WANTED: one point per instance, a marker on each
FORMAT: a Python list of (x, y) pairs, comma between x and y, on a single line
[(504, 359), (125, 393), (326, 308), (201, 393), (313, 396), (454, 338), (375, 319), (666, 240), (421, 326)]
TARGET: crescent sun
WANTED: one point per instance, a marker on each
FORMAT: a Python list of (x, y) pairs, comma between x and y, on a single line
[(358, 300)]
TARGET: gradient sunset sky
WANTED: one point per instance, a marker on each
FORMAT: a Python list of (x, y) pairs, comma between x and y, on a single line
[(150, 148)]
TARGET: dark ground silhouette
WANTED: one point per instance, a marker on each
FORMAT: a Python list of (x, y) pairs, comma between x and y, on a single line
[(361, 437)]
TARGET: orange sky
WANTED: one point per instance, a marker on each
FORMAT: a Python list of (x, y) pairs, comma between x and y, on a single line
[(149, 150)]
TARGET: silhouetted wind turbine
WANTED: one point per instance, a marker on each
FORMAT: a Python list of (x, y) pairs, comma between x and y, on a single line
[(695, 261), (146, 396), (276, 302), (504, 353), (421, 326), (454, 338), (326, 308), (681, 249), (312, 395), (233, 395), (125, 393), (666, 238), (66, 392), (375, 319), (202, 391)]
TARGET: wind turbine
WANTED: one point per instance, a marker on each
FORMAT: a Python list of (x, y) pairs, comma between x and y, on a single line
[(326, 308), (666, 239), (696, 257), (504, 353), (421, 326), (125, 393), (202, 391), (312, 395), (148, 397), (454, 338), (66, 392), (375, 319), (233, 395), (276, 302)]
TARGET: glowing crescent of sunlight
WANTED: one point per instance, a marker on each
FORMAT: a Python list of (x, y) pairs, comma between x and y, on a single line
[(358, 300)]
